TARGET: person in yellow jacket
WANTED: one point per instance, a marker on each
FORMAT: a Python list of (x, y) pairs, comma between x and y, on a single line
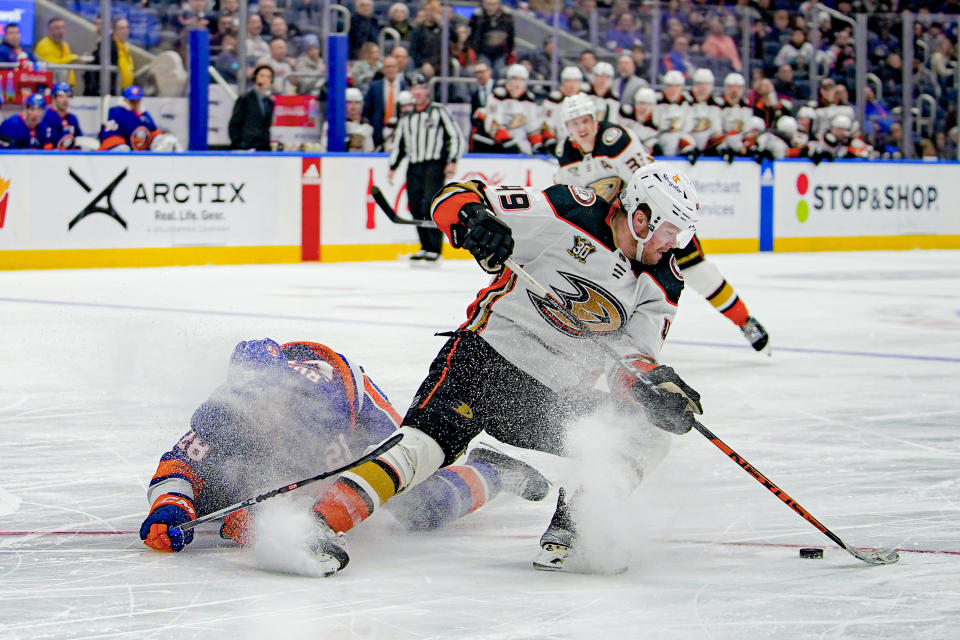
[(55, 49), (120, 55)]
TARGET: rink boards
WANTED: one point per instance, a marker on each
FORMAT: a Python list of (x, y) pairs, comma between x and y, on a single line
[(95, 210)]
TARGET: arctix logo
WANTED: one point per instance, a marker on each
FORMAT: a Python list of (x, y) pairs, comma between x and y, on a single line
[(183, 192), (864, 197)]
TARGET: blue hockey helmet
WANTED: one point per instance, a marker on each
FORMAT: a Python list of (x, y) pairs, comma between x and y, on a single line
[(62, 87), (36, 100), (133, 92)]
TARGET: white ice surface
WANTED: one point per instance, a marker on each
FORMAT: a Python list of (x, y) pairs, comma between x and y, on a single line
[(856, 416)]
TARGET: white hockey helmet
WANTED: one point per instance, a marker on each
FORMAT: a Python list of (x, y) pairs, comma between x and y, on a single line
[(787, 125), (405, 98), (841, 121), (354, 95), (756, 123), (734, 80), (806, 112), (645, 95), (703, 76), (673, 78), (603, 69), (671, 197), (577, 105), (518, 71), (571, 73)]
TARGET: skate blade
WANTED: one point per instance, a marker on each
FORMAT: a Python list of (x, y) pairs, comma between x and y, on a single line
[(558, 558)]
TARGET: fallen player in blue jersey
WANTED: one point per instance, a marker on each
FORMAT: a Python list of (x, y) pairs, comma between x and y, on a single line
[(290, 411)]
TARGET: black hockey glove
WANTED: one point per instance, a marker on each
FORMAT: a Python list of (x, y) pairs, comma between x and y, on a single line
[(671, 403), (693, 156), (479, 232), (728, 156)]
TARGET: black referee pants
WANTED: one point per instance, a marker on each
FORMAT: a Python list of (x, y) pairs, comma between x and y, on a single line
[(424, 180)]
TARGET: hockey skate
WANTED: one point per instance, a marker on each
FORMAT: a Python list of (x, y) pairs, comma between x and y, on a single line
[(756, 335), (516, 477), (557, 542), (329, 548)]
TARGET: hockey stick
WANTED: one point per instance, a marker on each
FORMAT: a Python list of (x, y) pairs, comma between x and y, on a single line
[(387, 444), (870, 556), (381, 200)]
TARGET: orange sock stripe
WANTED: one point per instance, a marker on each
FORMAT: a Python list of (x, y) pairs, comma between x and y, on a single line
[(475, 482), (738, 313), (174, 467), (342, 507)]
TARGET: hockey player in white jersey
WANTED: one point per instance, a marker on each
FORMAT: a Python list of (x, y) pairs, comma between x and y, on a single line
[(512, 117), (706, 125), (359, 131), (840, 142), (672, 116), (604, 169), (606, 103), (785, 141), (571, 83), (518, 368), (638, 119), (601, 156), (735, 110)]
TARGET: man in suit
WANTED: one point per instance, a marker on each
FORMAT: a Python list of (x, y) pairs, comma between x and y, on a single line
[(253, 114), (480, 142), (380, 105)]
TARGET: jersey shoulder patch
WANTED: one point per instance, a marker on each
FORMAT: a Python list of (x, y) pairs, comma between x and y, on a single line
[(555, 96), (613, 139), (582, 209), (500, 93)]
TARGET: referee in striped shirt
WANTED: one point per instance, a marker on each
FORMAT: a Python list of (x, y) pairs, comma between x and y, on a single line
[(432, 142)]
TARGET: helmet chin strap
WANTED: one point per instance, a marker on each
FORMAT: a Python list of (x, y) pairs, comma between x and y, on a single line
[(633, 231)]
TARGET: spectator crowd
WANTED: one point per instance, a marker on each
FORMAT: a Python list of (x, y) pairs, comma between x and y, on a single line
[(796, 58)]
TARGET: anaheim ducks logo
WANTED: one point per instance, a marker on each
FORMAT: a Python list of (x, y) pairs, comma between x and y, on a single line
[(702, 125), (593, 305), (517, 121)]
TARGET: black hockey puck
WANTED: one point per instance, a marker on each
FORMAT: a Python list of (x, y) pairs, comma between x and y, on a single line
[(811, 552)]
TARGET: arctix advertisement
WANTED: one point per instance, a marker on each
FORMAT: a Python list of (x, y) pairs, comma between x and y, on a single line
[(850, 201), (87, 201)]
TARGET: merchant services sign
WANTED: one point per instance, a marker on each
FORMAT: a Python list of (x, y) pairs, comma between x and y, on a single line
[(856, 199)]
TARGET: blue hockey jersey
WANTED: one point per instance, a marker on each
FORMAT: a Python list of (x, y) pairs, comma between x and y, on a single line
[(284, 413), (65, 128), (125, 126), (16, 134)]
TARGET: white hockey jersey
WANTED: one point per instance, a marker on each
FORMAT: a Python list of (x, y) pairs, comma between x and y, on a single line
[(359, 136), (605, 171), (564, 240), (706, 123), (607, 105), (644, 131), (735, 116), (521, 117), (673, 122)]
